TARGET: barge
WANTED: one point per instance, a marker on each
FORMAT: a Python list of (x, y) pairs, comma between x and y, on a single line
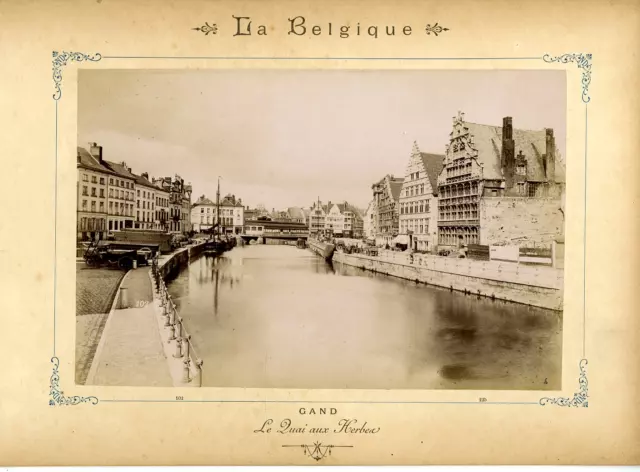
[(323, 249)]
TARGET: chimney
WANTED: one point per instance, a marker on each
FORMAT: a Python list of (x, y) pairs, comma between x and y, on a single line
[(549, 160), (145, 175), (96, 151), (508, 158)]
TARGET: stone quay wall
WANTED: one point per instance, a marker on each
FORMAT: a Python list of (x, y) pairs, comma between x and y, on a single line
[(535, 286), (171, 264)]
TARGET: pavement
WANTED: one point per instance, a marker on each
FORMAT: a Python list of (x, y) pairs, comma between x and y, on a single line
[(131, 352), (95, 290)]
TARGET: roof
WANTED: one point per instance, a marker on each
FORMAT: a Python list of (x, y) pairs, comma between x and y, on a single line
[(295, 212), (120, 169), (433, 164), (203, 201), (140, 180), (88, 161), (227, 201), (395, 185), (532, 144)]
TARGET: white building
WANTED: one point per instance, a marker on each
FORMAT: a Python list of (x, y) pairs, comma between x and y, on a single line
[(204, 214), (145, 202)]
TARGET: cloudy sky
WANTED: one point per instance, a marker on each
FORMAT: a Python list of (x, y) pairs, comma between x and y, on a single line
[(283, 138)]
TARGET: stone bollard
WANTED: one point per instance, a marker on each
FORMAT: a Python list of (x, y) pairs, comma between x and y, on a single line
[(135, 264), (197, 380), (186, 350), (179, 325), (172, 336), (178, 353), (124, 298), (167, 310), (185, 371)]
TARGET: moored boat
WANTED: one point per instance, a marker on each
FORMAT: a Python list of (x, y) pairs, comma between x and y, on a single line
[(323, 249)]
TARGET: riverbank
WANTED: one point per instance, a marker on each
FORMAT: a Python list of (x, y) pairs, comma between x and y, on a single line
[(541, 287), (126, 345)]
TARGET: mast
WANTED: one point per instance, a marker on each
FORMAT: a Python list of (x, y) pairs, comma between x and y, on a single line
[(218, 207)]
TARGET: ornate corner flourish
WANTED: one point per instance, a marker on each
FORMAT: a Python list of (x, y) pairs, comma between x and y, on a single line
[(207, 28), (583, 61), (579, 398), (316, 451), (435, 29), (60, 59), (57, 396)]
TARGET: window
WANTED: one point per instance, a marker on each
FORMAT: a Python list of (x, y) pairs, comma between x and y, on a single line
[(93, 206), (85, 178), (110, 207), (533, 189), (101, 193), (138, 193), (101, 206), (93, 192), (202, 210), (520, 188), (85, 191), (101, 180), (110, 193), (110, 181), (94, 179), (417, 175), (84, 205), (521, 170)]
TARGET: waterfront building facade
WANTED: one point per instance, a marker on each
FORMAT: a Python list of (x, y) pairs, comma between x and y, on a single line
[(161, 212), (418, 200), (203, 214), (370, 221), (145, 202), (121, 194), (92, 201), (317, 218), (386, 195), (499, 186), (231, 215)]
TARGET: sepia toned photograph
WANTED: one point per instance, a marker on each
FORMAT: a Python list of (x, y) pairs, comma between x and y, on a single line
[(323, 229)]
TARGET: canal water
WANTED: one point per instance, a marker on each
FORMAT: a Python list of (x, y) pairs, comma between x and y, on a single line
[(279, 316)]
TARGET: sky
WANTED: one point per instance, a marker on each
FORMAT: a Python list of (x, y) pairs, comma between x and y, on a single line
[(283, 138)]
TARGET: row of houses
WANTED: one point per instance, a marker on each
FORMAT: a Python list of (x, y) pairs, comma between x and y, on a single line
[(339, 219), (111, 197), (494, 185)]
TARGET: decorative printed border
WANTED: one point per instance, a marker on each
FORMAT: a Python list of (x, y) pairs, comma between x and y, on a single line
[(319, 451), (583, 61), (435, 29), (579, 398), (57, 395), (316, 451), (207, 28), (60, 59)]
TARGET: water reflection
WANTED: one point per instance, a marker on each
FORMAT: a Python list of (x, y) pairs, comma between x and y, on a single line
[(278, 316)]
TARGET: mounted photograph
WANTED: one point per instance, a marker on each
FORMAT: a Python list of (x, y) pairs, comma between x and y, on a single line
[(321, 229)]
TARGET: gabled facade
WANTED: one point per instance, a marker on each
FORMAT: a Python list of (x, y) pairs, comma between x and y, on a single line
[(499, 184), (386, 195), (418, 199), (370, 221), (317, 218)]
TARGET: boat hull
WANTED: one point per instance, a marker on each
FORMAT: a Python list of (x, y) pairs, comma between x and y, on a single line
[(324, 250)]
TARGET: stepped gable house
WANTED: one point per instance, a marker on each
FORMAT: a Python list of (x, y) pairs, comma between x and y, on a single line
[(500, 185), (418, 200)]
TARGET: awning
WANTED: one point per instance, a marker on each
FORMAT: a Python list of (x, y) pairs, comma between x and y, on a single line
[(401, 239)]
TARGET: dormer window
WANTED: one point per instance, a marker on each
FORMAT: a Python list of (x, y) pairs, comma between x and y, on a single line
[(455, 148)]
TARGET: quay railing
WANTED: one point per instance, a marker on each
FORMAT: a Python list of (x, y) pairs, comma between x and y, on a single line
[(184, 348)]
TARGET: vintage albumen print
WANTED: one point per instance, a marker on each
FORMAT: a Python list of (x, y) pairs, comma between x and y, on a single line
[(320, 229)]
